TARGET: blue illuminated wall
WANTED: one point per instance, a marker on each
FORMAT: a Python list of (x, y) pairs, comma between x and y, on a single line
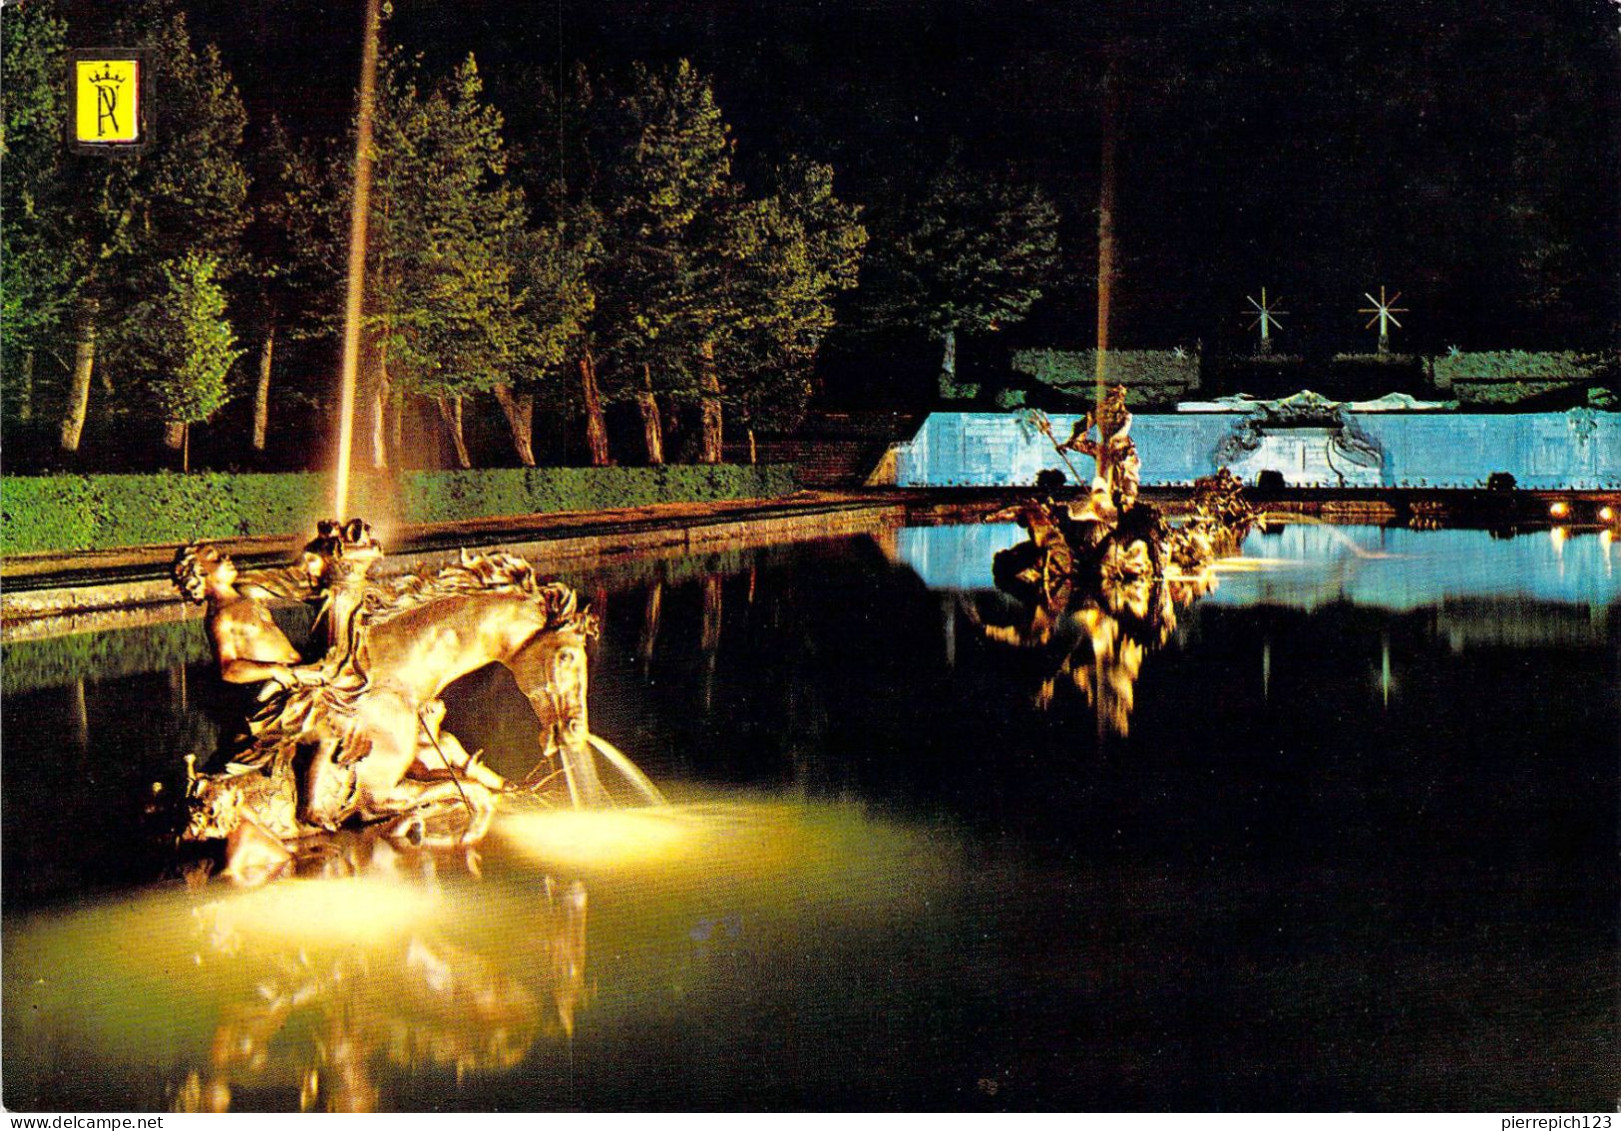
[(1578, 449)]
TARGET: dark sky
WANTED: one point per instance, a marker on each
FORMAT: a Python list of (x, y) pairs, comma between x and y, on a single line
[(1465, 152)]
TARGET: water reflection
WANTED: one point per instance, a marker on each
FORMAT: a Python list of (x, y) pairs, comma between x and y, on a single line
[(981, 904)]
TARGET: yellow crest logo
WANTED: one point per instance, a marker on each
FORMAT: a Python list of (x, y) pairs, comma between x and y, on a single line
[(107, 97)]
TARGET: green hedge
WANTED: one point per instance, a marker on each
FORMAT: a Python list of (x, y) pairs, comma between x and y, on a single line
[(1151, 377), (1557, 367), (98, 512)]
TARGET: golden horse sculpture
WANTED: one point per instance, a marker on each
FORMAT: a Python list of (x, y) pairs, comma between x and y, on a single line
[(357, 738)]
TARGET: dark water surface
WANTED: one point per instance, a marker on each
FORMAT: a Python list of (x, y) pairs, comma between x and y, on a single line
[(1356, 849)]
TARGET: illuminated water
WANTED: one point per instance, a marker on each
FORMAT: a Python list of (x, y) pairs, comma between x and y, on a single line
[(1357, 850)]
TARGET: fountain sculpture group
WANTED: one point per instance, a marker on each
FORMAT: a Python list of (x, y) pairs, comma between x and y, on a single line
[(357, 738), (1110, 570)]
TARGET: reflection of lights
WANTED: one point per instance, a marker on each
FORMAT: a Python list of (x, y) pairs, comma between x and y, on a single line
[(1558, 534), (600, 837), (324, 911), (1559, 509)]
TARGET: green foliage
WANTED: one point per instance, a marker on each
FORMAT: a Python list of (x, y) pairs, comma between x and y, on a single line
[(1151, 377), (1508, 377), (93, 512), (35, 276), (1518, 365), (444, 231), (663, 153), (299, 231), (783, 259), (972, 255), (194, 341), (87, 231)]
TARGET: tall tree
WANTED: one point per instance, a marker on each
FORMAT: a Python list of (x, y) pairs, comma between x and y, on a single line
[(446, 232), (664, 158), (294, 285), (193, 344), (554, 305), (972, 255), (36, 280), (781, 260), (114, 224)]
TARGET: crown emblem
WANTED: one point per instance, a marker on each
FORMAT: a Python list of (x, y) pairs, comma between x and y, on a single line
[(107, 77)]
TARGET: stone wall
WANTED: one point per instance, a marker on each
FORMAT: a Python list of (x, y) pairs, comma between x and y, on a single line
[(1576, 449)]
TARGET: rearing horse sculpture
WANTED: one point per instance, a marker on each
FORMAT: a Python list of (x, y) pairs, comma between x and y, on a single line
[(373, 718)]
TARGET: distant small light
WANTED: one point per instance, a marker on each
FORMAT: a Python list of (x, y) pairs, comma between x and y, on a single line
[(1606, 514), (1559, 509)]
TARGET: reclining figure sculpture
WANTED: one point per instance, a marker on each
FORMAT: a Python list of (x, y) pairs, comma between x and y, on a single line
[(357, 738)]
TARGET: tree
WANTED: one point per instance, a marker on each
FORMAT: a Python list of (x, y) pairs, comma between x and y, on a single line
[(194, 343), (96, 233), (445, 234), (664, 155), (555, 303), (36, 281), (294, 284), (782, 260), (971, 256)]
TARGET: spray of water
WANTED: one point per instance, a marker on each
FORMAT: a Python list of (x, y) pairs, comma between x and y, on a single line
[(359, 209)]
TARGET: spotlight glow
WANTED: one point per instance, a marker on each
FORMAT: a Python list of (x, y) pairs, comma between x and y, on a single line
[(1559, 509), (597, 837)]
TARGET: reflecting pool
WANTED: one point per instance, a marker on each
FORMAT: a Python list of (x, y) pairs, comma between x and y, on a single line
[(1356, 849)]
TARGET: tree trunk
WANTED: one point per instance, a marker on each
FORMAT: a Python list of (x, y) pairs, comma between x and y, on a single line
[(261, 392), (1106, 249), (710, 404), (652, 431), (948, 365), (396, 427), (174, 434), (519, 409), (25, 388), (84, 361), (185, 446), (379, 416), (450, 411), (754, 452), (596, 426)]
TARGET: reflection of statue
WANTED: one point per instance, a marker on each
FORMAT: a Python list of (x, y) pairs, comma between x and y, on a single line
[(330, 1019), (367, 728), (1106, 576)]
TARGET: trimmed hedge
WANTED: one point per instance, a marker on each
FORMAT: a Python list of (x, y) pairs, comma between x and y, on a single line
[(99, 512), (1151, 377), (1519, 366)]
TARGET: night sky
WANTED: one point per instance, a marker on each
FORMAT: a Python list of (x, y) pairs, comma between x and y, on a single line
[(1464, 152)]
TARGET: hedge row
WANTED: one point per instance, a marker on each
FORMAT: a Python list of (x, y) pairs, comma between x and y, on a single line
[(98, 512), (1564, 366), (1150, 376)]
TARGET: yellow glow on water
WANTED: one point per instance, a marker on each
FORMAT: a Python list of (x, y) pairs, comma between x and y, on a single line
[(318, 911), (601, 838)]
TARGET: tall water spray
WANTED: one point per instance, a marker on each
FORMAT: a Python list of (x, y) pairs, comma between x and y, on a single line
[(359, 210)]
